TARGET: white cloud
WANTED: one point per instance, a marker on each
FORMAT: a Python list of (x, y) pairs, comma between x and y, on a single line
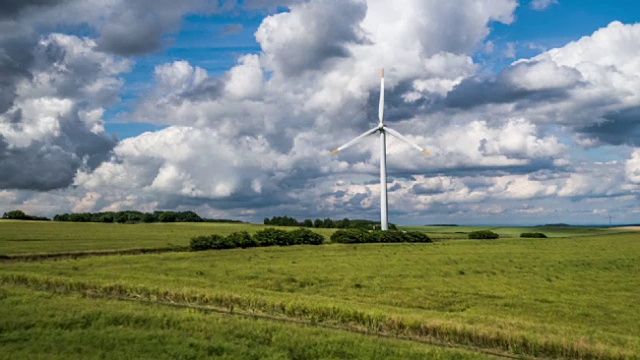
[(632, 167), (542, 4), (246, 80), (254, 140)]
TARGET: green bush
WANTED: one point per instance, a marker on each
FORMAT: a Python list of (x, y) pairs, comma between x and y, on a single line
[(241, 239), (483, 234), (271, 236), (205, 242), (354, 236), (417, 237), (533, 235), (351, 236), (387, 237), (306, 237)]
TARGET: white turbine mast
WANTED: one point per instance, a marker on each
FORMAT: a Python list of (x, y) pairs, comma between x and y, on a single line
[(383, 129)]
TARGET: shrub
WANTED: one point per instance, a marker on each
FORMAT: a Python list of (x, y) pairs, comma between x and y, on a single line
[(271, 236), (533, 235), (306, 237), (417, 237), (241, 239), (388, 237), (483, 234), (205, 242), (351, 236)]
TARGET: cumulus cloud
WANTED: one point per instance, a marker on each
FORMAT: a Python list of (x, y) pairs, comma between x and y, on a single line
[(254, 140), (54, 125), (632, 167), (590, 85)]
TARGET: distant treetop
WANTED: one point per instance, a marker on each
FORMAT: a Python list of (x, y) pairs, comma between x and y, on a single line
[(20, 215), (132, 216)]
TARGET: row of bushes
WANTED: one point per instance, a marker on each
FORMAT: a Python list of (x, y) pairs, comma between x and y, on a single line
[(533, 235), (483, 234), (486, 234), (355, 236), (266, 237)]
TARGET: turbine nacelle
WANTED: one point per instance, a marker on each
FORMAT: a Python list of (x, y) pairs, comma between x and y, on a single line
[(383, 130)]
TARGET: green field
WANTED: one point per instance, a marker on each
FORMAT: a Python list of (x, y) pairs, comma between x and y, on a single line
[(42, 325), (573, 296), (33, 237)]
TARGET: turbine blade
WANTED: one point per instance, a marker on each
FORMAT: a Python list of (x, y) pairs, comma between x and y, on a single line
[(401, 137), (381, 105), (354, 140)]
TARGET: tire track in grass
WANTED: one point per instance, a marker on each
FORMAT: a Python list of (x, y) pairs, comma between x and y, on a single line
[(83, 254), (332, 317)]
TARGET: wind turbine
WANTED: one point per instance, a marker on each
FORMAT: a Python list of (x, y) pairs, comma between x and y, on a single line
[(383, 129)]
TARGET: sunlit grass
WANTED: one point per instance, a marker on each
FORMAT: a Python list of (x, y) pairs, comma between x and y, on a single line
[(41, 325), (30, 237)]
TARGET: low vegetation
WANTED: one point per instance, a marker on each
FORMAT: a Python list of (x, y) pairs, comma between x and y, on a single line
[(355, 236), (483, 234), (262, 238), (533, 235)]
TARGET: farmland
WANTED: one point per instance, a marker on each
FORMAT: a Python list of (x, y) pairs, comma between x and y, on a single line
[(570, 296)]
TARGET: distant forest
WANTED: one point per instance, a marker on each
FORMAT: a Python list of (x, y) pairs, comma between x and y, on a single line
[(130, 216), (326, 223), (20, 215)]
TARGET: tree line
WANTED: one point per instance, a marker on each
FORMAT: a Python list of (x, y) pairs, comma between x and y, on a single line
[(20, 215), (326, 223), (131, 216)]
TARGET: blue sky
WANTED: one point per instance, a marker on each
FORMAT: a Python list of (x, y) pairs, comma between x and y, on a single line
[(214, 42), (531, 109)]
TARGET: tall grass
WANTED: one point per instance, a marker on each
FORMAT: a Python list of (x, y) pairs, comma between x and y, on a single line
[(42, 325)]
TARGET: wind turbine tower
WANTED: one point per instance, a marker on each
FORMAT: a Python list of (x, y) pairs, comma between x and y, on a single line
[(383, 130)]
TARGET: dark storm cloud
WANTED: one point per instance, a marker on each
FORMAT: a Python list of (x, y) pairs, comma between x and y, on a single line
[(11, 8), (139, 27), (52, 165), (243, 198), (622, 127), (501, 89), (49, 161), (395, 106), (16, 60), (36, 167)]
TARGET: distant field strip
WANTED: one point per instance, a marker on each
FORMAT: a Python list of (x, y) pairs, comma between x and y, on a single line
[(556, 298), (36, 237)]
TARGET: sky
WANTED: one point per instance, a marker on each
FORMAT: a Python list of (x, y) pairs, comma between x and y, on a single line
[(530, 108)]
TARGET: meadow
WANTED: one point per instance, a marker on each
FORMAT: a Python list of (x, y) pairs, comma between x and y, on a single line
[(37, 237), (572, 296)]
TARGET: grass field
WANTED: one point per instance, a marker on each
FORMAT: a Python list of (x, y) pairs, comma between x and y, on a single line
[(564, 297), (42, 325), (32, 237)]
